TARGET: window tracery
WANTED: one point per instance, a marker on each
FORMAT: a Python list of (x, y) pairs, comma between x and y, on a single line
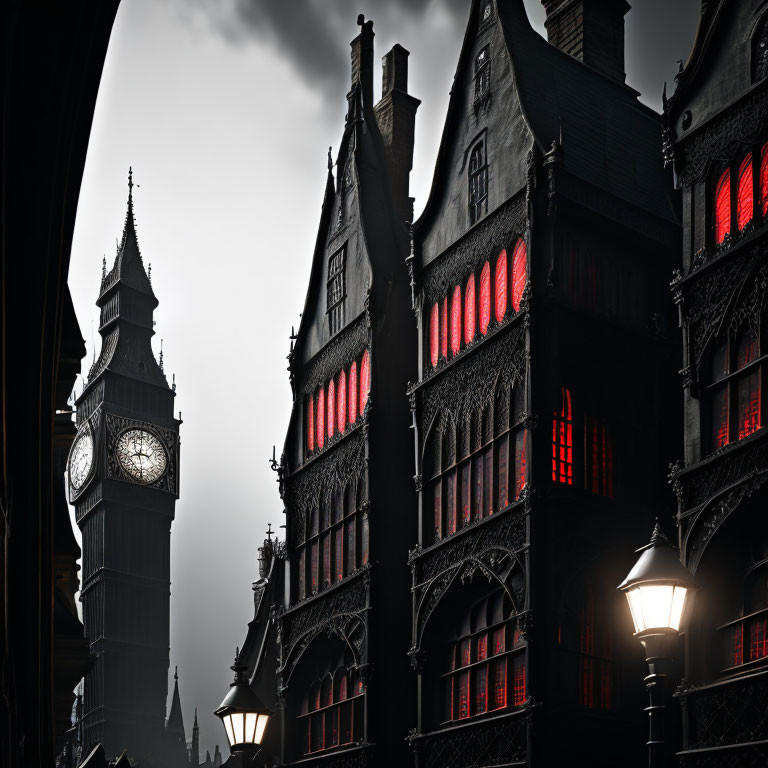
[(485, 669), (562, 440)]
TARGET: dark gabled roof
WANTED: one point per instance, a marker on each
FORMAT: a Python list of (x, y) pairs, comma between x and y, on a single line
[(609, 138)]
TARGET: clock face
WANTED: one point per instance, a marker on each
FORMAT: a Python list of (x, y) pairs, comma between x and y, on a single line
[(81, 459), (141, 455)]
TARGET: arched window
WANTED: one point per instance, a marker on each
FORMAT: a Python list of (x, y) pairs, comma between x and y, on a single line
[(329, 712), (353, 393), (310, 424), (331, 415), (321, 418), (456, 320), (365, 380), (485, 668), (341, 406), (469, 310), (562, 440), (744, 200), (764, 178), (485, 298), (434, 334), (501, 286), (760, 51), (723, 206), (748, 403), (478, 183), (519, 273), (444, 329)]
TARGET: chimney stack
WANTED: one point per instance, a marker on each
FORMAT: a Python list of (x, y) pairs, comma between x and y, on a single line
[(396, 118), (362, 60), (591, 31)]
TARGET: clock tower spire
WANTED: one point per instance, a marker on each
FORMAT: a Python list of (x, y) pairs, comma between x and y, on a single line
[(123, 482)]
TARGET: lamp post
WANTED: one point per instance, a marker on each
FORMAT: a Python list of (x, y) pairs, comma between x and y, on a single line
[(657, 589), (243, 714)]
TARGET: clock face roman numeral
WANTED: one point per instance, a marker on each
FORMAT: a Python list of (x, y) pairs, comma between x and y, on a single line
[(141, 455), (81, 460)]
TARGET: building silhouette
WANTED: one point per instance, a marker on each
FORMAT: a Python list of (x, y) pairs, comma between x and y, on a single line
[(123, 482), (529, 311)]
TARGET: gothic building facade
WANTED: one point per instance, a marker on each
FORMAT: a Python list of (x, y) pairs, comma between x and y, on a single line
[(717, 141), (529, 312), (123, 480)]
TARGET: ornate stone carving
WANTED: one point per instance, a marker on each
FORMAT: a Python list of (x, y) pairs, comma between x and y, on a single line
[(729, 134), (339, 353)]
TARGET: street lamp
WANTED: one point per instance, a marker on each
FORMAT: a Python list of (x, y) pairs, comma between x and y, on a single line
[(244, 716), (657, 589)]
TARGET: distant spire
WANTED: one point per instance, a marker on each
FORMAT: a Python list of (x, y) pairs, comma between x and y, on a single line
[(175, 723), (330, 160)]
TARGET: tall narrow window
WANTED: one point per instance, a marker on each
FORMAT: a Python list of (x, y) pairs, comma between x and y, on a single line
[(764, 179), (321, 418), (521, 461), (598, 457), (444, 329), (723, 206), (434, 334), (341, 405), (745, 197), (595, 660), (519, 275), (353, 393), (330, 419), (720, 397), (336, 290), (365, 380), (485, 298), (478, 183), (501, 286), (482, 73), (456, 320), (748, 413), (311, 424), (562, 440), (469, 310)]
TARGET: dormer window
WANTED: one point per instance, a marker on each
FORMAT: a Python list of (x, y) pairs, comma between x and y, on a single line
[(336, 290), (478, 182), (482, 74)]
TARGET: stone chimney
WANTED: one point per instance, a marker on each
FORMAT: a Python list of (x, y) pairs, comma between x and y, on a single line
[(362, 60), (591, 31), (396, 118)]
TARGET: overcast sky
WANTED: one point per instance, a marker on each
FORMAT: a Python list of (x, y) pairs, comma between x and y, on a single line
[(225, 109)]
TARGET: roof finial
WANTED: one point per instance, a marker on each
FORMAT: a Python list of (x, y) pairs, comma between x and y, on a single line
[(330, 160), (149, 272), (103, 267), (173, 386), (176, 674), (360, 20), (270, 533), (161, 355), (130, 181)]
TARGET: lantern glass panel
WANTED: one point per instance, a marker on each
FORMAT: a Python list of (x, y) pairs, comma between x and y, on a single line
[(260, 728), (250, 727), (227, 720), (238, 725), (657, 606)]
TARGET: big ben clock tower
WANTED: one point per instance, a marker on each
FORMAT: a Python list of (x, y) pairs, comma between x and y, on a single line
[(123, 481)]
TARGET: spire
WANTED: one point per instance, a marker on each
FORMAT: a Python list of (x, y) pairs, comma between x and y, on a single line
[(175, 723), (194, 752)]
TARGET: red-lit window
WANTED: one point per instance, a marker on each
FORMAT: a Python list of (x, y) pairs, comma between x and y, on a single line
[(764, 178), (562, 440), (736, 646), (485, 298), (438, 508), (310, 424), (353, 393), (500, 285), (341, 405), (330, 419), (338, 551), (521, 461), (321, 418), (519, 273), (745, 195), (434, 334), (329, 714), (598, 457), (723, 206), (748, 405), (469, 310), (444, 329), (365, 380), (456, 320), (480, 662), (758, 638), (466, 494), (503, 471), (313, 566), (450, 501), (326, 559), (302, 575), (364, 540), (350, 545)]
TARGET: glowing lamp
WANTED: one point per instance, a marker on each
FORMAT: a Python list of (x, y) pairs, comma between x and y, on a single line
[(243, 714), (657, 588)]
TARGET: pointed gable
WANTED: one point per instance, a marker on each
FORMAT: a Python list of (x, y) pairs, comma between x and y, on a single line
[(175, 723)]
